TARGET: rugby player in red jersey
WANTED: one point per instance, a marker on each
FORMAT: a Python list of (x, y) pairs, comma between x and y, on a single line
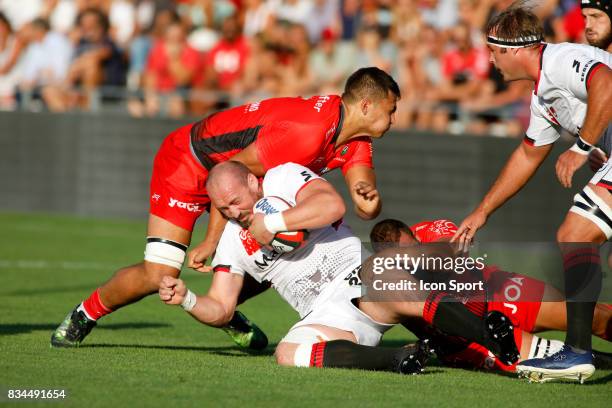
[(517, 296), (321, 133)]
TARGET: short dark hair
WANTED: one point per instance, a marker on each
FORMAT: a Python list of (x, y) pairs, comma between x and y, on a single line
[(386, 233), (100, 15), (41, 23), (369, 82), (4, 20), (518, 21)]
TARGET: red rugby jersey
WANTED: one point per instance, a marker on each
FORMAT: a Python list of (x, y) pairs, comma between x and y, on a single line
[(303, 131)]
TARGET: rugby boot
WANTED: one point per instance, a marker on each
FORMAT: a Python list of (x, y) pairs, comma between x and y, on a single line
[(499, 337), (413, 358), (245, 333), (71, 332), (568, 363)]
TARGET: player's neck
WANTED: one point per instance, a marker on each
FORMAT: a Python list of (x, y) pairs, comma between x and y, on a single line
[(531, 63), (350, 127)]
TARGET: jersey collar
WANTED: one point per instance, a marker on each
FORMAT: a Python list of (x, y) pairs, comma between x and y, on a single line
[(339, 127), (535, 90)]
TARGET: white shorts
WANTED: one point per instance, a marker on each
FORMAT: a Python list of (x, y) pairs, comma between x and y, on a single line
[(339, 312), (603, 177)]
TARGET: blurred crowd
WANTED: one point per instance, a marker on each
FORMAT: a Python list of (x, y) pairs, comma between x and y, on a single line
[(191, 57)]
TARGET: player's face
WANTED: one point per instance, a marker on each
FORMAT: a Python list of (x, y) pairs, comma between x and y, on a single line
[(381, 115), (598, 30), (235, 200), (504, 60)]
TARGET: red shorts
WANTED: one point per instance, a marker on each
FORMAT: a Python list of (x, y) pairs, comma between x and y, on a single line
[(178, 183), (517, 296)]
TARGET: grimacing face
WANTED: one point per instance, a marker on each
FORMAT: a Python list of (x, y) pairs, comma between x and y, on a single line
[(598, 30), (235, 199), (382, 115)]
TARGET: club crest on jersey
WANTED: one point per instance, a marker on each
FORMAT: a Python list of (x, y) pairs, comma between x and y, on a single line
[(248, 241), (344, 150), (265, 207)]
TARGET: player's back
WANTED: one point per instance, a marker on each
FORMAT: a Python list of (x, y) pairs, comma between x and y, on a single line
[(223, 134)]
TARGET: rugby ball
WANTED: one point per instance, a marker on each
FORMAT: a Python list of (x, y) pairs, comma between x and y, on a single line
[(284, 241)]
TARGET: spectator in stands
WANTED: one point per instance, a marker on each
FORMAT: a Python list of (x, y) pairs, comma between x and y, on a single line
[(464, 68), (296, 76), (10, 50), (258, 15), (97, 62), (171, 70), (373, 51), (45, 62), (331, 62), (197, 14)]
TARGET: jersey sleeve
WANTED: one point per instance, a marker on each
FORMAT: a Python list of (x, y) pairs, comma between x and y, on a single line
[(288, 142), (542, 130), (362, 155), (287, 180), (226, 258)]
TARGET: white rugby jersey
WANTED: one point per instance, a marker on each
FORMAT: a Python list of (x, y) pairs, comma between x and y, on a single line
[(559, 99), (329, 255)]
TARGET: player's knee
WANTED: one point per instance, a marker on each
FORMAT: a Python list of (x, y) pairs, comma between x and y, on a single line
[(285, 354), (163, 257)]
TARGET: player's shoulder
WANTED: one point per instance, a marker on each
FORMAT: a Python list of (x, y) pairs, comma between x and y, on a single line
[(558, 58), (281, 171)]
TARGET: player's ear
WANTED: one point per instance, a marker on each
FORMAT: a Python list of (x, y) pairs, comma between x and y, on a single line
[(252, 182), (365, 105)]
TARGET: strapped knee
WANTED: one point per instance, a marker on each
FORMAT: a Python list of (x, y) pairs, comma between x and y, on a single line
[(590, 206), (165, 252)]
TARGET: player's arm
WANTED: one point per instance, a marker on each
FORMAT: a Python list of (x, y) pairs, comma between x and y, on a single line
[(216, 308), (361, 182), (519, 168), (317, 203), (598, 117)]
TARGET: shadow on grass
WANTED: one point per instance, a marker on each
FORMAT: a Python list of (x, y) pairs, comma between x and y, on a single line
[(232, 351), (21, 328)]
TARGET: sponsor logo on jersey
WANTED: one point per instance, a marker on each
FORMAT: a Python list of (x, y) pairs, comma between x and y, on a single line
[(248, 241), (252, 107), (320, 101), (185, 206), (155, 197), (265, 207)]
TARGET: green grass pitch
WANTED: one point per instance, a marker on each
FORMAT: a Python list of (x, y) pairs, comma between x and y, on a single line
[(150, 354)]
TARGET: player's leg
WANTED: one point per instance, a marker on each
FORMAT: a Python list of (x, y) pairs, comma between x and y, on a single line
[(164, 255), (324, 346), (452, 317), (586, 226)]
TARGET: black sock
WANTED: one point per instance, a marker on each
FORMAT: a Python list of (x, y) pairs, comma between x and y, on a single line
[(346, 354), (453, 318), (583, 280)]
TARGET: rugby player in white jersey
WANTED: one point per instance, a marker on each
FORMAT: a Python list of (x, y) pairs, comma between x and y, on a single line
[(318, 280), (572, 93)]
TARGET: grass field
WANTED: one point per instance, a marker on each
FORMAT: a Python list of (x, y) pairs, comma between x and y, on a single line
[(150, 354)]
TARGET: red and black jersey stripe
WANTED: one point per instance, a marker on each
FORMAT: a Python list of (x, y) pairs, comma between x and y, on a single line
[(592, 71), (212, 149)]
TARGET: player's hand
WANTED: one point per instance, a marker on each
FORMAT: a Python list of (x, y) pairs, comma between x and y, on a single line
[(597, 158), (567, 164), (467, 230), (366, 190), (260, 232), (172, 291), (197, 256)]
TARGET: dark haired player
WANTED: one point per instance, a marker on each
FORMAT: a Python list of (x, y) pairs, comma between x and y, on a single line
[(322, 133), (517, 296)]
